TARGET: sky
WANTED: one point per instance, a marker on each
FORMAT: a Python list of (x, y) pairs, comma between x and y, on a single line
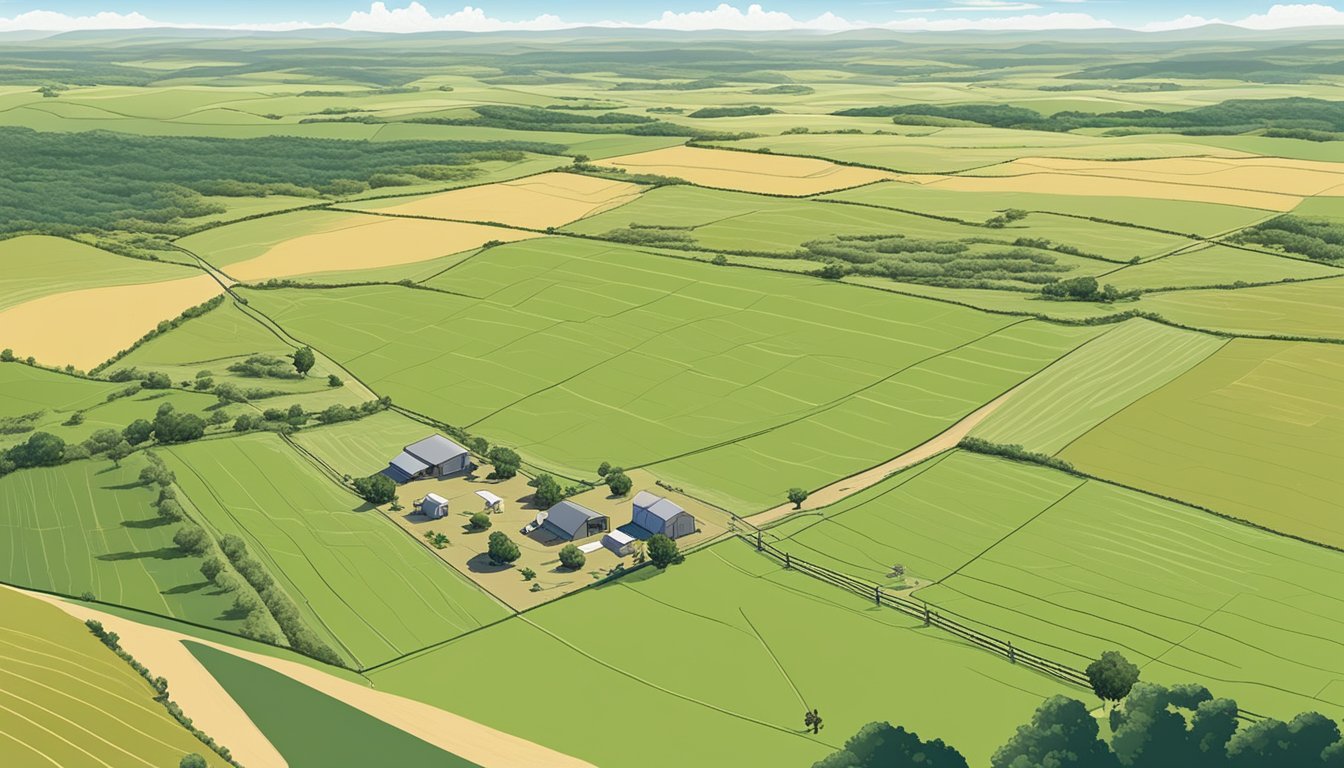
[(817, 15)]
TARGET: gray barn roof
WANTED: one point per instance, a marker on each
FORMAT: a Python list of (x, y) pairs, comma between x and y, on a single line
[(569, 519), (408, 465), (435, 450), (659, 507)]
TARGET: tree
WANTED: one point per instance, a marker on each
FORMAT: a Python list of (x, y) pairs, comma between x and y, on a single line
[(41, 449), (505, 462), (304, 360), (333, 380), (156, 472), (663, 551), (603, 469), (376, 488), (479, 521), (1112, 676), (548, 492), (211, 568), (192, 760), (619, 483), (227, 392), (797, 496), (137, 431), (192, 539), (173, 427), (6, 355), (879, 745), (102, 441), (572, 557), (1062, 734), (158, 380), (119, 451), (1151, 731), (502, 550)]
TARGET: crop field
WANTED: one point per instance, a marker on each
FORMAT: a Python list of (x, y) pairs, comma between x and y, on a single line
[(68, 700), (369, 588), (753, 628), (1070, 567), (1119, 367), (534, 202), (360, 448), (1312, 310), (91, 527), (747, 172), (772, 353), (1205, 266), (1255, 431), (35, 266)]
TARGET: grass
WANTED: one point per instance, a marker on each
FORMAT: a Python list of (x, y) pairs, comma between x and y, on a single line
[(578, 353), (68, 700), (1309, 310), (1087, 386), (310, 728), (367, 587), (34, 266), (730, 647), (1255, 431), (1215, 265), (360, 448), (1069, 568), (90, 527)]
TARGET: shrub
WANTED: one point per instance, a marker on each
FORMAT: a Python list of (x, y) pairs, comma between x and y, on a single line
[(502, 550), (548, 492), (528, 574), (376, 488), (505, 462), (663, 551), (334, 381), (618, 482), (572, 557), (138, 431), (480, 521)]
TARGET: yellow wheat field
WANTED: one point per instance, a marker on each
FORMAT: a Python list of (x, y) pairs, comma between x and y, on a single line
[(748, 171), (537, 202), (377, 242), (86, 327)]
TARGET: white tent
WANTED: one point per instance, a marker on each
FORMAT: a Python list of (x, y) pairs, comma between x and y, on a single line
[(619, 542), (492, 502), (434, 506)]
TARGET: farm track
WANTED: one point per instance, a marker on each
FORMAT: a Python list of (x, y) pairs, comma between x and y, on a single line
[(215, 712)]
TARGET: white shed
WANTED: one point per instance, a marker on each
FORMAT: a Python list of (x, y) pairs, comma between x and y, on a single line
[(434, 506), (619, 542)]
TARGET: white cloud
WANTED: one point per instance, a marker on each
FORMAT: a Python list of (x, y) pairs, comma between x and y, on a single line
[(417, 18)]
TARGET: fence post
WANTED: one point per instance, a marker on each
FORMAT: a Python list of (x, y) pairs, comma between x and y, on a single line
[(788, 560), (927, 619), (758, 541), (1012, 655), (877, 595)]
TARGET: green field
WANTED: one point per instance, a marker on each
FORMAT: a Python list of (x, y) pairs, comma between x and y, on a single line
[(368, 588), (309, 728), (572, 352), (91, 527), (69, 700), (1309, 310), (1255, 431), (1087, 386), (1201, 267), (1068, 568), (360, 448), (756, 633), (35, 266)]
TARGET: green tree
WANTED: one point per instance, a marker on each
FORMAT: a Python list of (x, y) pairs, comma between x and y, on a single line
[(102, 441), (528, 574), (797, 496), (227, 392), (479, 521), (211, 568), (333, 380), (618, 482), (137, 431), (879, 745), (572, 557), (1112, 676), (304, 360), (505, 462), (376, 488), (663, 551), (603, 469), (548, 492), (119, 451), (1062, 734), (502, 550), (158, 380), (192, 539), (41, 449), (6, 355), (191, 760)]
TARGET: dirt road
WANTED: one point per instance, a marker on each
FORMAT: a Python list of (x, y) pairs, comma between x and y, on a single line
[(851, 485), (214, 712)]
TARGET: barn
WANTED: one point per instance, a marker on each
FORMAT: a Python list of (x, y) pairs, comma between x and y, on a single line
[(435, 456), (571, 521), (656, 514)]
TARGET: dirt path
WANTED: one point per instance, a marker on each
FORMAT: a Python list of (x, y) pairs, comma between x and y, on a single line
[(215, 713), (851, 485)]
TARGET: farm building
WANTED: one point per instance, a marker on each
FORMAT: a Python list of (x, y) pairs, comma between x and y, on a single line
[(434, 506), (656, 514), (619, 542), (435, 456), (570, 521)]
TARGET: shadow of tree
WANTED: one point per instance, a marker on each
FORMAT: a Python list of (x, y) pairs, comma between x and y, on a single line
[(162, 553), (149, 522), (183, 589), (481, 564)]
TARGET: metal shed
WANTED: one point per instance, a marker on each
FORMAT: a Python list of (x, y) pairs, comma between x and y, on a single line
[(435, 456), (656, 514), (570, 521)]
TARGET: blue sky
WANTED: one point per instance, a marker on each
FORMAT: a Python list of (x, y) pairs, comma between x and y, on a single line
[(409, 16)]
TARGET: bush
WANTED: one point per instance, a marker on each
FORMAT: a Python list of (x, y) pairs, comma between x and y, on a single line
[(502, 550), (505, 462), (192, 760), (192, 539), (376, 489), (663, 551), (41, 449), (619, 483), (480, 521), (334, 381), (1015, 452), (528, 574), (548, 492), (572, 557)]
